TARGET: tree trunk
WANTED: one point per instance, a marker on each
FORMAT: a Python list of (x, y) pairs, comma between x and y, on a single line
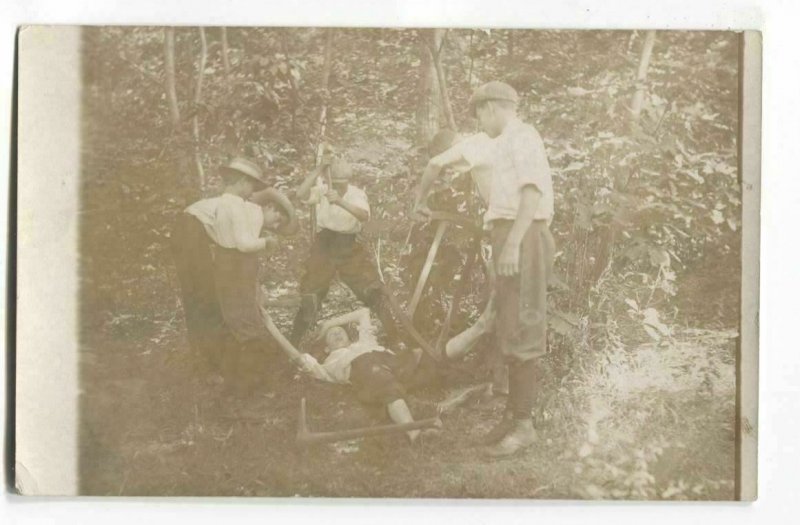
[(169, 77), (641, 77), (198, 97), (226, 65), (434, 108), (436, 49), (427, 116)]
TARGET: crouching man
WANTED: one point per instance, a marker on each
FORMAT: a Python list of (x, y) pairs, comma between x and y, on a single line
[(217, 242)]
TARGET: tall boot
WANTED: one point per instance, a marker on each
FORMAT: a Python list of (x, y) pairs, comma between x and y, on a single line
[(523, 383)]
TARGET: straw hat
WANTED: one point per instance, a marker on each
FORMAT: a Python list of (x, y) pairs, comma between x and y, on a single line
[(271, 195)]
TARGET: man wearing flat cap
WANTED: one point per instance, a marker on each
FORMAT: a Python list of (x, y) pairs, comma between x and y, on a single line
[(341, 209), (518, 216), (217, 242)]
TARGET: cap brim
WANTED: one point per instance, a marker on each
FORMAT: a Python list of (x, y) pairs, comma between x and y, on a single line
[(271, 195)]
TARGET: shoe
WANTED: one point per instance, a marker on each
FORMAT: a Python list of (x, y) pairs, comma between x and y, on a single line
[(521, 437), (499, 431)]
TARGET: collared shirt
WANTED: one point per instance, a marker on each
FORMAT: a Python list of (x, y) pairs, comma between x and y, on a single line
[(231, 221), (336, 367), (477, 151), (334, 217), (520, 160)]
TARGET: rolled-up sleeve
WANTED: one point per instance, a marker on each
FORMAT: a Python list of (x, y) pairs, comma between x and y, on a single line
[(232, 220), (358, 198), (530, 160)]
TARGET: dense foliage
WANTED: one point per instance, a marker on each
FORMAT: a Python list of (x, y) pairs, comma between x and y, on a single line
[(647, 208)]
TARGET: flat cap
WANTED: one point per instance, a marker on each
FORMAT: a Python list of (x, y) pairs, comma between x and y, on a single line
[(494, 90)]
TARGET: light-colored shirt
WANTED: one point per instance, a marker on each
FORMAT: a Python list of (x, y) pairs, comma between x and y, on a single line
[(520, 160), (336, 367), (477, 152), (334, 217), (231, 221)]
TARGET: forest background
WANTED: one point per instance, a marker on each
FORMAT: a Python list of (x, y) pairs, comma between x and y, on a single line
[(640, 129)]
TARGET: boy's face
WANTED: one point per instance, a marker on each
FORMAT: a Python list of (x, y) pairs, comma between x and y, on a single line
[(273, 218), (487, 118), (336, 338)]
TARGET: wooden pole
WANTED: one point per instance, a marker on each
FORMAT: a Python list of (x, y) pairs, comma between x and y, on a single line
[(327, 66)]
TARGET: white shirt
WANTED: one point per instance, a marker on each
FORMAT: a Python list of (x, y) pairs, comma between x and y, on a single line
[(333, 217), (478, 153), (231, 221), (520, 160)]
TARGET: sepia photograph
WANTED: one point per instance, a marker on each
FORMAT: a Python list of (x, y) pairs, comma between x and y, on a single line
[(414, 262)]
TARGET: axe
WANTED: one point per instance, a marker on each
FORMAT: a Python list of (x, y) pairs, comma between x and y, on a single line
[(307, 437)]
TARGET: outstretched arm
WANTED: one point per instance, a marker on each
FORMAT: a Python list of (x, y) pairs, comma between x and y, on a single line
[(451, 157), (360, 316), (305, 361)]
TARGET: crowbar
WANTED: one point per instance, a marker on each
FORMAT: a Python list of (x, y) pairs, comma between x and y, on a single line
[(307, 437)]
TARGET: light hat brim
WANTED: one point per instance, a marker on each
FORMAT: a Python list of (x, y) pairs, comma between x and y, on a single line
[(243, 166), (271, 195)]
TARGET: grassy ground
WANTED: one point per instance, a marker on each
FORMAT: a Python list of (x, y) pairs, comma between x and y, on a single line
[(647, 422)]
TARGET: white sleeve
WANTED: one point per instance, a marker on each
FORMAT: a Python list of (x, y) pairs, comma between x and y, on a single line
[(358, 198), (234, 219), (314, 369)]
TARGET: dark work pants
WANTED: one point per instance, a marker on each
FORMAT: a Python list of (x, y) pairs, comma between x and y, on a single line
[(332, 254), (521, 328)]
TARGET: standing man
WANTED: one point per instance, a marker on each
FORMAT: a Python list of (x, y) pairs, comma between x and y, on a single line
[(341, 210), (518, 216)]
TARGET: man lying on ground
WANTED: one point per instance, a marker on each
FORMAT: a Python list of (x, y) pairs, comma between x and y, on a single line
[(381, 378)]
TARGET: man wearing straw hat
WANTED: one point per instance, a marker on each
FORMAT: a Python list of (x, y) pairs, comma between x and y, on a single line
[(217, 242)]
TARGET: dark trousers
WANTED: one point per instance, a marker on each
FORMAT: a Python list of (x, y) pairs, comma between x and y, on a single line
[(219, 293), (195, 267), (332, 254), (521, 328)]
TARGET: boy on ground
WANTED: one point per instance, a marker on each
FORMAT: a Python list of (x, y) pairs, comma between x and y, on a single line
[(217, 242), (518, 216), (341, 211), (380, 377)]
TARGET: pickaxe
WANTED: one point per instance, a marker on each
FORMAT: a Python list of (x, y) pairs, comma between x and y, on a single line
[(307, 437)]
